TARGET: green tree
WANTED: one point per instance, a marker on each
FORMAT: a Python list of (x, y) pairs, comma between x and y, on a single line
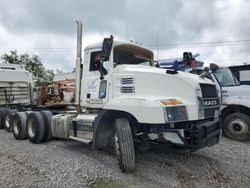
[(31, 63)]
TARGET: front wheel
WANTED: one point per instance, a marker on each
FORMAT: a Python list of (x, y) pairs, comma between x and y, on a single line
[(237, 126), (124, 145)]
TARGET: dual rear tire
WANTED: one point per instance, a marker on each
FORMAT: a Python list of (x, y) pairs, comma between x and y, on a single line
[(2, 115), (39, 126), (19, 125), (36, 126), (6, 116)]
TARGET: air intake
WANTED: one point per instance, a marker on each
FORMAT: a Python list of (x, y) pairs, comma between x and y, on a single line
[(127, 89), (125, 81)]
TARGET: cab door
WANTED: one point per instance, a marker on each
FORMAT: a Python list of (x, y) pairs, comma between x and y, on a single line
[(95, 89)]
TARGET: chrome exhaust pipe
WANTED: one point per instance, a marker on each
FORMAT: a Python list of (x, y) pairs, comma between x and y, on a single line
[(78, 65)]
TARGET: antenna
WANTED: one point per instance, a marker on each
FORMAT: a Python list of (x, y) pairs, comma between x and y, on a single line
[(157, 45), (127, 32)]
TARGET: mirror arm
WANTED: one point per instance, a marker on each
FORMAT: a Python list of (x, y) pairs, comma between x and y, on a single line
[(100, 69)]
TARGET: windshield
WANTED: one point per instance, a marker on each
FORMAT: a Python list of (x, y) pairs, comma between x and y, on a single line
[(201, 71), (225, 77), (132, 55)]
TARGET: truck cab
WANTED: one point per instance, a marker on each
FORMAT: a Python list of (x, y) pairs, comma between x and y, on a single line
[(125, 98), (235, 108)]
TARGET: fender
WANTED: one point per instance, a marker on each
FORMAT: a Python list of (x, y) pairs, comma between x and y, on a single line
[(104, 126), (236, 100), (143, 109), (96, 124)]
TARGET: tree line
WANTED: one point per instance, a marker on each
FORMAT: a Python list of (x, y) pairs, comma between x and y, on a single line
[(33, 64)]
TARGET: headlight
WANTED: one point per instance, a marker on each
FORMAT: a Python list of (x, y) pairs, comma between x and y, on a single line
[(176, 113)]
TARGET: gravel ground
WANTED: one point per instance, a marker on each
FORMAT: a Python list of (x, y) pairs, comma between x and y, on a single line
[(72, 164)]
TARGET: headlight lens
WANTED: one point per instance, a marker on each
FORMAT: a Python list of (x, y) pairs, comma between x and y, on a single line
[(176, 113)]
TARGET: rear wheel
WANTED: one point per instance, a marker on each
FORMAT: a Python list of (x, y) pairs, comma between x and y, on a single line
[(47, 115), (3, 111), (124, 145), (8, 119), (19, 125), (35, 126), (237, 126)]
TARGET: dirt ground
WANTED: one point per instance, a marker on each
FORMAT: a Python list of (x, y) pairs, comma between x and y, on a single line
[(71, 164)]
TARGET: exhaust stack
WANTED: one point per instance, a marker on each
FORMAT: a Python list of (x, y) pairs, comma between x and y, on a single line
[(78, 66)]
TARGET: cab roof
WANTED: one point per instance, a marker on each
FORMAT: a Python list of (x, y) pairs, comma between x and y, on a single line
[(116, 43)]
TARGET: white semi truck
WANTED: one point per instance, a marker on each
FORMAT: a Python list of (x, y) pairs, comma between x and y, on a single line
[(16, 92), (235, 98), (121, 97)]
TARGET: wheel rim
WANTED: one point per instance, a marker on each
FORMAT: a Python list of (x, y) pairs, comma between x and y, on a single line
[(31, 128), (15, 127), (7, 121), (238, 127)]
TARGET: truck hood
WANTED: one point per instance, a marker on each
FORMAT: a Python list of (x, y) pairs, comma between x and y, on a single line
[(191, 79), (147, 85)]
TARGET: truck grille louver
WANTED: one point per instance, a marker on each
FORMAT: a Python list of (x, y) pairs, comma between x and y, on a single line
[(127, 81), (209, 94), (14, 92), (127, 89), (127, 85), (208, 90)]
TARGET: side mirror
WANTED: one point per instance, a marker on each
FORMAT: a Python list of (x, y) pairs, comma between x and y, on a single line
[(106, 48), (213, 67), (187, 56)]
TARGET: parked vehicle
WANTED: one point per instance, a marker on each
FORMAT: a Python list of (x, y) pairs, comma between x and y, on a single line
[(121, 97), (16, 92), (235, 99), (242, 73)]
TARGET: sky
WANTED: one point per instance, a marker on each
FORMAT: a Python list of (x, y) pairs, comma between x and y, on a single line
[(218, 30)]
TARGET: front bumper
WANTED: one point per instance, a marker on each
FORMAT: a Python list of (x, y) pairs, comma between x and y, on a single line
[(206, 134), (193, 135)]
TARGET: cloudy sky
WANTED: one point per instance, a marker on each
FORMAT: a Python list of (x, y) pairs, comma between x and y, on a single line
[(217, 30)]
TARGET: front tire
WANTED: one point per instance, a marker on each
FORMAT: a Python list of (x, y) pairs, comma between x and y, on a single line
[(124, 145), (237, 126)]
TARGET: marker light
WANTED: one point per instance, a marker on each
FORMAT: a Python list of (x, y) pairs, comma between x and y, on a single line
[(168, 102)]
